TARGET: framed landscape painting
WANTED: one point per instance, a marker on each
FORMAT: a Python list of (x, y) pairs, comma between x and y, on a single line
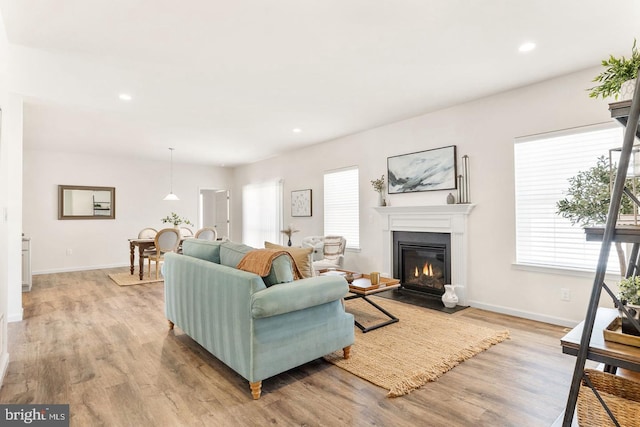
[(423, 171), (301, 203)]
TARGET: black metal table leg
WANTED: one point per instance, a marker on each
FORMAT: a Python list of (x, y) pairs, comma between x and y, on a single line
[(392, 318), (633, 261)]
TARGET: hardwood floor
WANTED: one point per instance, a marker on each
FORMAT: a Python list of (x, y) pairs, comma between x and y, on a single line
[(107, 351)]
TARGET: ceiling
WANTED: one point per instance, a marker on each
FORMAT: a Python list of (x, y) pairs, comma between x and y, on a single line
[(226, 82)]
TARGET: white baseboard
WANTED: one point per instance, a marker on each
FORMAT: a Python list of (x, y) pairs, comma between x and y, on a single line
[(569, 323), (15, 317), (85, 268)]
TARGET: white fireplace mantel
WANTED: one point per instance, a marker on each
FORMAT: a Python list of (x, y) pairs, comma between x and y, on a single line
[(450, 219)]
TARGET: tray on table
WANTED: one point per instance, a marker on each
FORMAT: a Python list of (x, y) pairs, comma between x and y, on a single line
[(614, 333)]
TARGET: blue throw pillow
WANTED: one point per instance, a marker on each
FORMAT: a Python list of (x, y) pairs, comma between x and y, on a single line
[(232, 253), (281, 271), (202, 249)]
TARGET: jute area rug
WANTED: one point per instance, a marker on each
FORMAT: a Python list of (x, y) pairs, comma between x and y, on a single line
[(418, 349), (128, 279)]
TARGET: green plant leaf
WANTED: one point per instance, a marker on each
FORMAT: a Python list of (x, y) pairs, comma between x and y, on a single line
[(618, 71), (589, 196)]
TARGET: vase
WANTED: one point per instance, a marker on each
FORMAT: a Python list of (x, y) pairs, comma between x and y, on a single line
[(626, 90), (449, 299), (289, 242), (451, 199), (381, 201)]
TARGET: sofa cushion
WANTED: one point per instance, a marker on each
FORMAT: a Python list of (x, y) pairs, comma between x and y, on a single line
[(301, 256), (273, 265), (202, 249), (281, 271), (231, 253), (281, 268)]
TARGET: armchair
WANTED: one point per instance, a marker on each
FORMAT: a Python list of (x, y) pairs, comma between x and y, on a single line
[(328, 251)]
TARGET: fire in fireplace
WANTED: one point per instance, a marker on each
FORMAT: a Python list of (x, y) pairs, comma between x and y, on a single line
[(422, 261)]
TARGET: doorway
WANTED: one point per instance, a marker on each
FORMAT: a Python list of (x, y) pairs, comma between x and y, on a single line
[(214, 210)]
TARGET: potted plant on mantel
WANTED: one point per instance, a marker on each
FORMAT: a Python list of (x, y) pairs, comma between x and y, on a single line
[(378, 186), (589, 196), (619, 76)]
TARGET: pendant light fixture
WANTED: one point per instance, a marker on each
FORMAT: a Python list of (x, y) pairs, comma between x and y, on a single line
[(171, 196)]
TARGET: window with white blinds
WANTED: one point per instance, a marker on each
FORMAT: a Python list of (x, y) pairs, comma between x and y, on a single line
[(543, 165), (342, 205), (261, 213)]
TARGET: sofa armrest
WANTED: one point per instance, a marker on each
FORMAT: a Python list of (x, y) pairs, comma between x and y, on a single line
[(297, 295)]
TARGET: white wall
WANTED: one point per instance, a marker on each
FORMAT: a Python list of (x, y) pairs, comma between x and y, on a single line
[(140, 187), (485, 130), (12, 128), (10, 202)]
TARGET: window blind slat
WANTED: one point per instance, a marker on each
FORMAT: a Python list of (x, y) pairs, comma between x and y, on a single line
[(543, 166), (342, 205)]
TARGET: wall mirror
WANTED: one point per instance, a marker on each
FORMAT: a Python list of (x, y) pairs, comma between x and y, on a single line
[(79, 202)]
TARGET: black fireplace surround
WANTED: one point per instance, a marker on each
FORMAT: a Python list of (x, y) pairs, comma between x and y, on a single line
[(422, 260)]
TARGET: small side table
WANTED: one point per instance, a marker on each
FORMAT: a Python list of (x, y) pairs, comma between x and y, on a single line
[(361, 288)]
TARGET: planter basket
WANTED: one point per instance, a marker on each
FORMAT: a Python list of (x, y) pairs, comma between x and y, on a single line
[(621, 395)]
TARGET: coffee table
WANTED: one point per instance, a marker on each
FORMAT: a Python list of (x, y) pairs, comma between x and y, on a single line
[(361, 287)]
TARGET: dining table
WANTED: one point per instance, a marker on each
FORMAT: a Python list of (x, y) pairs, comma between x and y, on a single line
[(142, 245)]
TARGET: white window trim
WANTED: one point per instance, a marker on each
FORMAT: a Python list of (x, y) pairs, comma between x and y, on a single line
[(558, 271)]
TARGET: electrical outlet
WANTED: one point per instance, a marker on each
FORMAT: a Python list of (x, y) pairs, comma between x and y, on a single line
[(565, 294), (69, 252)]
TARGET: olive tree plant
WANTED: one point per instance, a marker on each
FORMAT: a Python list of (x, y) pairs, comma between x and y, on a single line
[(588, 199)]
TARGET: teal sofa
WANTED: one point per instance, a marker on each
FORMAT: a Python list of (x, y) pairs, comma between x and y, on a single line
[(257, 330)]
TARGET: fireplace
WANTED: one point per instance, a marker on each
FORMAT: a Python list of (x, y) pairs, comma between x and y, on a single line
[(422, 260), (449, 219)]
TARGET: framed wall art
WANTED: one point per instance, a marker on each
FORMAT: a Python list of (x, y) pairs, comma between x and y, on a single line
[(427, 170), (301, 203)]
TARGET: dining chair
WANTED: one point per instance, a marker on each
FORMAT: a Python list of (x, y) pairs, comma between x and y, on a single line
[(207, 233), (167, 240), (186, 232), (147, 233)]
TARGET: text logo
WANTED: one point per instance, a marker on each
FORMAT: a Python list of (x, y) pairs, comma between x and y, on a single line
[(34, 415)]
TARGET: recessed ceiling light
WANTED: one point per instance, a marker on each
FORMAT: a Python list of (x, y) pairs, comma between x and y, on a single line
[(125, 97), (296, 130), (527, 47)]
